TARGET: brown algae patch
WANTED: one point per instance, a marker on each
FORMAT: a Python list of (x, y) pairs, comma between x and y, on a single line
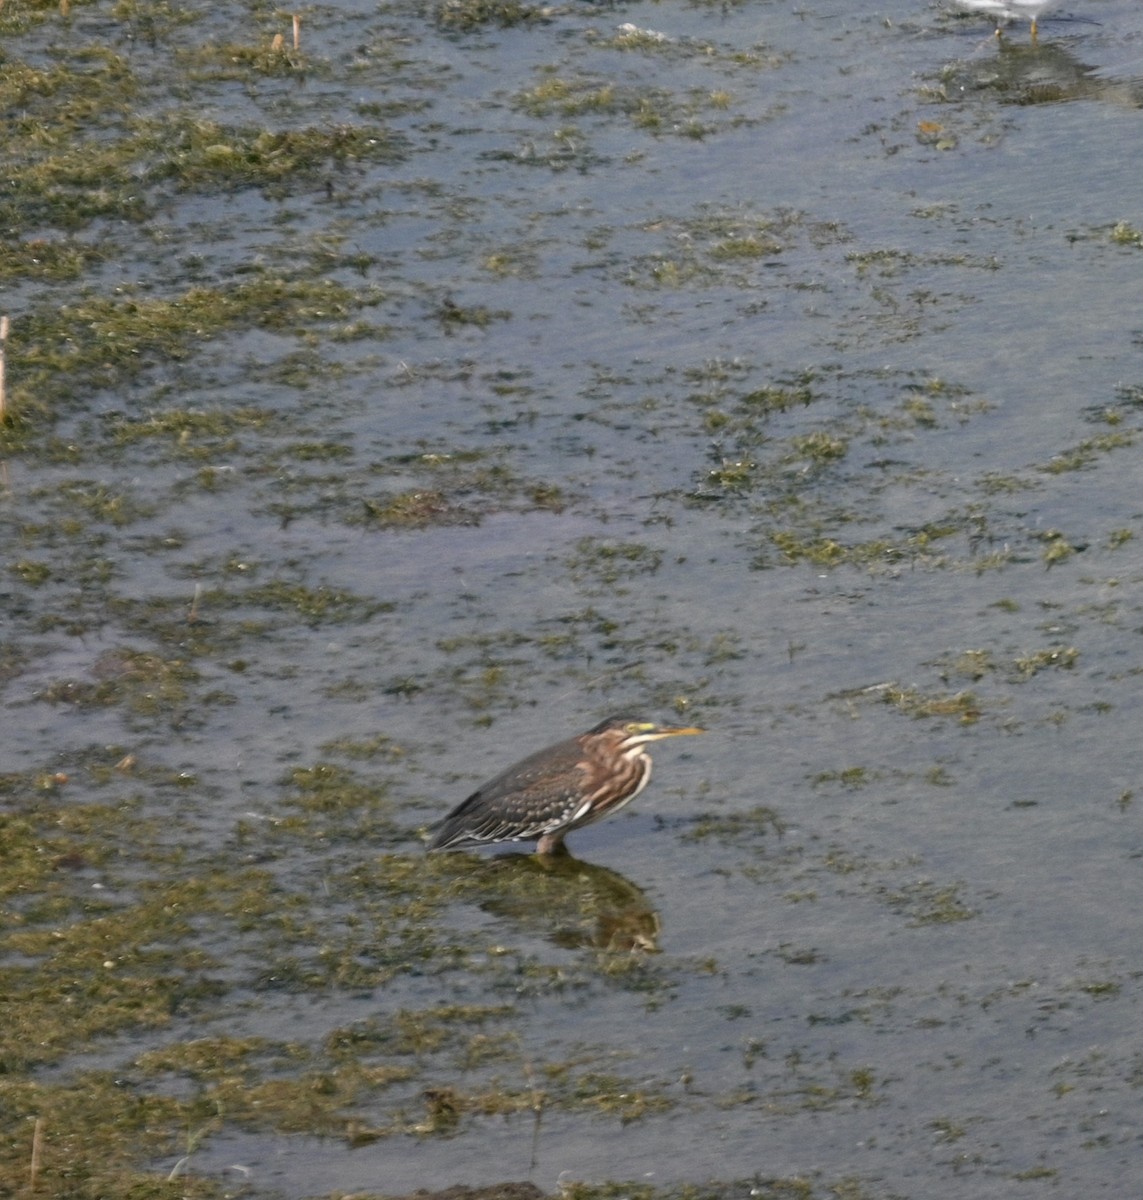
[(143, 683), (105, 342), (745, 829), (85, 1139), (649, 109), (82, 971), (140, 959), (466, 15), (457, 488)]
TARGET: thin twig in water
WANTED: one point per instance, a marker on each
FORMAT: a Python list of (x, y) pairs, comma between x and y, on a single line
[(3, 342), (37, 1135)]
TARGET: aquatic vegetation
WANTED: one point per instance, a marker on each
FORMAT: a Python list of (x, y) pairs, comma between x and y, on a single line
[(335, 435)]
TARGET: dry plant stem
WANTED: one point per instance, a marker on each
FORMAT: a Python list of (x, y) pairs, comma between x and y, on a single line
[(3, 343), (37, 1130)]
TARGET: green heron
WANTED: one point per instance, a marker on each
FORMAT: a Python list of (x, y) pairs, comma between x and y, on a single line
[(569, 785)]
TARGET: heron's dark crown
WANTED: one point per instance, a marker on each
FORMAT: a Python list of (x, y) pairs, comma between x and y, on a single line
[(620, 721)]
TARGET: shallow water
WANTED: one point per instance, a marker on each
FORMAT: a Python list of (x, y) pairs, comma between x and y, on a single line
[(783, 372)]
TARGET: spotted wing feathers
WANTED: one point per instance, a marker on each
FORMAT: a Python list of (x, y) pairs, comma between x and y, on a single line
[(533, 798)]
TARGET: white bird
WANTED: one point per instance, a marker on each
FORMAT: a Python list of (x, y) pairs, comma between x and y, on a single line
[(1010, 9)]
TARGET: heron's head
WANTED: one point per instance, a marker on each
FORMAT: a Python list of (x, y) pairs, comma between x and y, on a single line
[(626, 733)]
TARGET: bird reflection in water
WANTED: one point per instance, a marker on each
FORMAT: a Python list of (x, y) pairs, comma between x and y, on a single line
[(574, 904), (1029, 74)]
